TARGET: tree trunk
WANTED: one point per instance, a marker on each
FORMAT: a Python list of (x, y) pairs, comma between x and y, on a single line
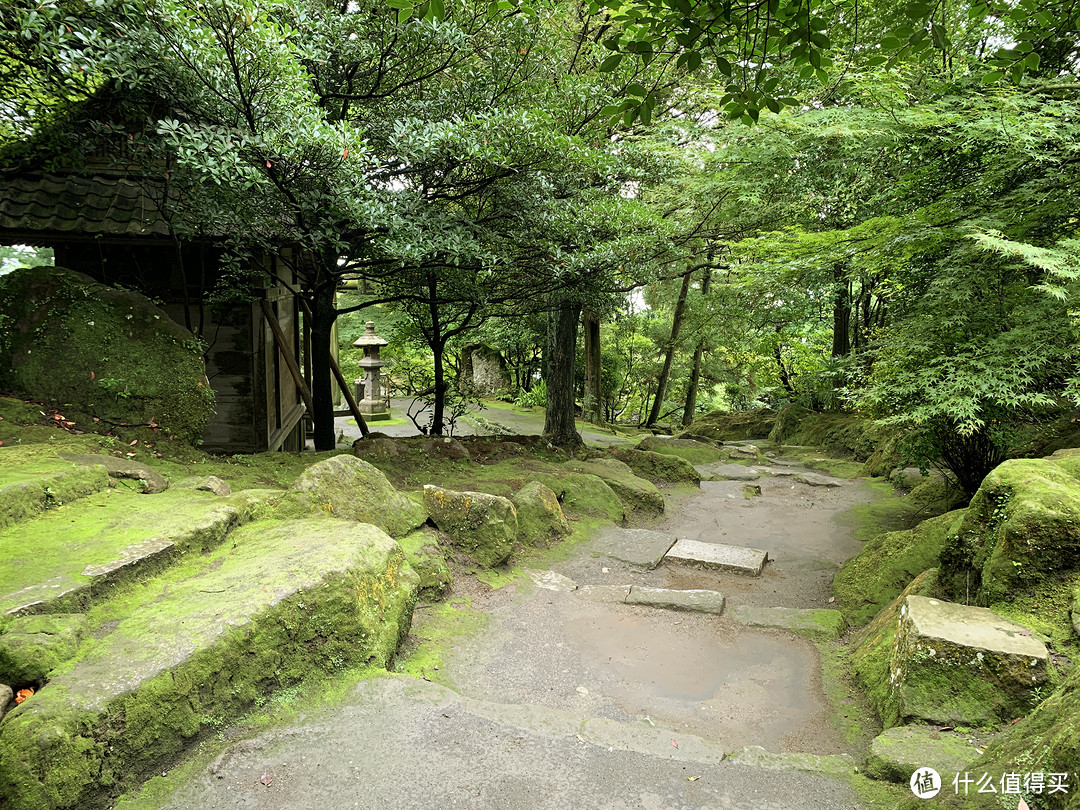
[(437, 342), (841, 340), (323, 314), (669, 356), (594, 406), (695, 373), (559, 375), (785, 377)]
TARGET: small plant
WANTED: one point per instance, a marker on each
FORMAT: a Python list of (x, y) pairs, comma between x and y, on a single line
[(535, 397)]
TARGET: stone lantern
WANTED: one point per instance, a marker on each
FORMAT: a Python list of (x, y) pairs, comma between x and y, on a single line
[(372, 405)]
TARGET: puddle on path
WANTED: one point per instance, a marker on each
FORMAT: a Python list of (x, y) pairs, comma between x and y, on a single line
[(739, 686)]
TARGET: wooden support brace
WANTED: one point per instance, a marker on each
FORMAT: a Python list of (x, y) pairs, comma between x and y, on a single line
[(290, 361)]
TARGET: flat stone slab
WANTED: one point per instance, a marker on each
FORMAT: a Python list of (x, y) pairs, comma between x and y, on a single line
[(785, 462), (717, 555), (604, 593), (820, 623), (703, 601), (718, 471), (635, 546), (815, 480), (287, 598), (898, 752), (28, 490), (990, 665), (78, 547)]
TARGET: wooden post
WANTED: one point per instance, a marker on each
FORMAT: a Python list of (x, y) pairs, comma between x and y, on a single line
[(349, 398)]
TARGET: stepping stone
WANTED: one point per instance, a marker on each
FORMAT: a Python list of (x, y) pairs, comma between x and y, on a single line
[(284, 600), (700, 600), (716, 555), (718, 471), (898, 752), (635, 546), (815, 480), (991, 665), (785, 462), (820, 623)]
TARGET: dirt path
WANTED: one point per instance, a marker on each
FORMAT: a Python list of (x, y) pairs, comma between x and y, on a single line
[(567, 698)]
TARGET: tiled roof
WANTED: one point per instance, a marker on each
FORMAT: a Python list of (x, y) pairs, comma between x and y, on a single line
[(82, 205)]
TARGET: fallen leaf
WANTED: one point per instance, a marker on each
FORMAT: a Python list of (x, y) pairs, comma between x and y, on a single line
[(675, 743), (130, 455), (91, 375), (133, 442), (945, 728), (1016, 720), (580, 738), (692, 778), (832, 599), (267, 778), (23, 694)]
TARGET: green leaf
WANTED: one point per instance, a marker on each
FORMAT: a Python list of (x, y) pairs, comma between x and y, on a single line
[(436, 10), (610, 63), (992, 77), (693, 60), (890, 43), (822, 76), (773, 105), (1032, 61), (636, 89), (611, 43), (723, 65), (404, 14), (645, 114), (875, 61), (941, 39), (629, 116)]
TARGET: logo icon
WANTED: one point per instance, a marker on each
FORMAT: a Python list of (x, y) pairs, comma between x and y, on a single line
[(925, 783)]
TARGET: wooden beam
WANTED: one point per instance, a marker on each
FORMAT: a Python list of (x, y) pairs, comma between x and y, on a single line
[(349, 398), (278, 437), (290, 360)]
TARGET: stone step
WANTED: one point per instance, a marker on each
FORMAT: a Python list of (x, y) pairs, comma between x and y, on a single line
[(419, 744), (991, 665), (60, 561), (819, 623), (28, 489), (719, 471), (719, 556), (278, 601), (635, 546), (702, 601)]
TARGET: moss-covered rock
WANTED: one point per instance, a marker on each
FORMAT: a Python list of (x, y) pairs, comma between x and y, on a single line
[(724, 427), (689, 449), (962, 665), (584, 494), (637, 494), (82, 549), (428, 559), (1022, 526), (348, 487), (66, 339), (872, 648), (485, 526), (898, 752), (33, 646), (540, 515), (29, 489), (876, 575), (657, 466), (1046, 741), (282, 600)]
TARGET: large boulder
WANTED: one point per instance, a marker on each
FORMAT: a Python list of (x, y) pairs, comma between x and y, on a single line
[(67, 340), (1023, 526), (540, 515), (657, 466), (585, 494), (691, 450), (887, 563), (347, 487), (485, 526)]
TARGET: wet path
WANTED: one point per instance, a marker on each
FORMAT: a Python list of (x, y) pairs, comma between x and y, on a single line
[(570, 698)]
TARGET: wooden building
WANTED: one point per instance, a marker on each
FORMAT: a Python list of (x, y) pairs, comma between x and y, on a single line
[(109, 224)]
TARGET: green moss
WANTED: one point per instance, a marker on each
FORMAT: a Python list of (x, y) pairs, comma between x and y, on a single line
[(850, 713), (540, 516), (872, 648), (721, 426), (657, 467), (638, 495), (33, 646), (62, 326), (694, 452), (131, 701), (436, 630), (869, 581), (424, 554)]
